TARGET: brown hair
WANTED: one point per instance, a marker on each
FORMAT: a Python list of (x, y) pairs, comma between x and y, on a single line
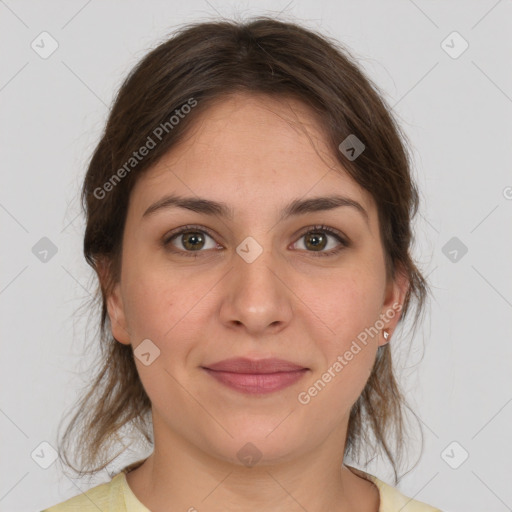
[(201, 63)]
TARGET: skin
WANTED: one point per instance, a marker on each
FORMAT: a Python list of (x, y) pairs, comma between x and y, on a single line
[(250, 152)]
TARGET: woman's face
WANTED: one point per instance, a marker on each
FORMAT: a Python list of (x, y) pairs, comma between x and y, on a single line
[(252, 283)]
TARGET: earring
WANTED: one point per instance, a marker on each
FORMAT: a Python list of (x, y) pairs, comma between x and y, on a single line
[(385, 333)]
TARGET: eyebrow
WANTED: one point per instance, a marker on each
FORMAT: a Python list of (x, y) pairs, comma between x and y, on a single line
[(220, 209)]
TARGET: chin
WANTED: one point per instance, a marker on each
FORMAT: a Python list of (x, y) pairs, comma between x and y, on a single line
[(254, 447)]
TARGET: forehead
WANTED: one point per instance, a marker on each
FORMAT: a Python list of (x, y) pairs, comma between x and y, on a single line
[(251, 151)]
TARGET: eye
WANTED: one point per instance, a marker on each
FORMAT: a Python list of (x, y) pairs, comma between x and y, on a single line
[(189, 239), (317, 238)]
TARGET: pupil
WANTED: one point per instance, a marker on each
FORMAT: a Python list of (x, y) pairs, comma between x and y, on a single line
[(320, 240), (192, 238)]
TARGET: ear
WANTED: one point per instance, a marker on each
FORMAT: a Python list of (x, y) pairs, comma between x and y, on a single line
[(115, 306), (396, 291)]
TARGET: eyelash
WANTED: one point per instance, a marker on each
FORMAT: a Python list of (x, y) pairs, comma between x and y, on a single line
[(194, 254)]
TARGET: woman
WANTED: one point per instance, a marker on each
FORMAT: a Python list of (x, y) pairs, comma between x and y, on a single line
[(249, 216)]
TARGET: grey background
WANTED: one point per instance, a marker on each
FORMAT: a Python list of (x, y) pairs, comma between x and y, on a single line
[(457, 114)]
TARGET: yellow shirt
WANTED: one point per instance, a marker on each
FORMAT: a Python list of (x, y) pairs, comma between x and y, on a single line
[(117, 496)]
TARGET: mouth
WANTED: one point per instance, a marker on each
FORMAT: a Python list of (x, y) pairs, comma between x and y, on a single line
[(256, 376)]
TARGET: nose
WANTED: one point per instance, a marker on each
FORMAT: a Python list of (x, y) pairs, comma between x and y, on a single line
[(256, 297)]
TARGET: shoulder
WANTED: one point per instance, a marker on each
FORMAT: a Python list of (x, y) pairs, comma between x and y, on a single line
[(107, 497), (392, 500)]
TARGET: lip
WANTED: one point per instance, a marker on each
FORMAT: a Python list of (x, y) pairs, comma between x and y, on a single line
[(254, 366), (256, 376)]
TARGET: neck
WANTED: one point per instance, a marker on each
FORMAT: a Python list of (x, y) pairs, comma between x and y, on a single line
[(179, 476)]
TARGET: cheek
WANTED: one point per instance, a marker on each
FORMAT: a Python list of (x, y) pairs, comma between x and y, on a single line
[(350, 307), (165, 306), (150, 303), (350, 303), (157, 311), (348, 352)]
